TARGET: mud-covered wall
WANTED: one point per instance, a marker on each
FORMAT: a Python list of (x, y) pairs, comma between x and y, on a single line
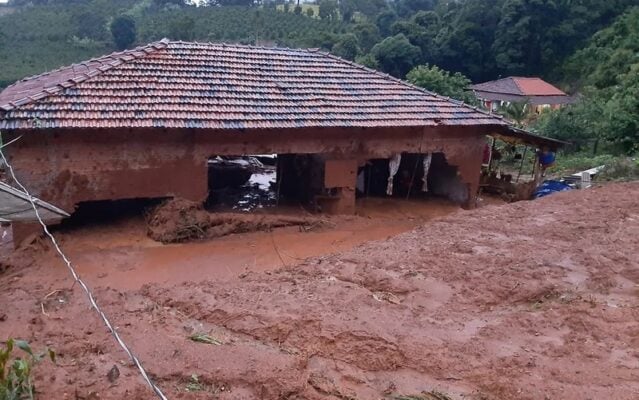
[(66, 167)]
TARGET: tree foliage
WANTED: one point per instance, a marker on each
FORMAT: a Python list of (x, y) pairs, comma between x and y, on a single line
[(396, 55), (328, 9), (516, 112), (346, 47), (367, 35), (385, 21), (124, 32), (609, 79), (441, 82)]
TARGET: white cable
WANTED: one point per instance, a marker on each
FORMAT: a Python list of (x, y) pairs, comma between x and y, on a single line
[(94, 304)]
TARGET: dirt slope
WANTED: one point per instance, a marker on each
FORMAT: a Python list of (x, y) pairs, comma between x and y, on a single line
[(533, 300)]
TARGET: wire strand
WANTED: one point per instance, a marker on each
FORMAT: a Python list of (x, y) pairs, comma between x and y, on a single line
[(84, 287)]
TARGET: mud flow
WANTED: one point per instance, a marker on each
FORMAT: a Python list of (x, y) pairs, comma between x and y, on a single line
[(406, 299)]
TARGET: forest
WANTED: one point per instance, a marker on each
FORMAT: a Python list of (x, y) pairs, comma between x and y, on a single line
[(589, 48)]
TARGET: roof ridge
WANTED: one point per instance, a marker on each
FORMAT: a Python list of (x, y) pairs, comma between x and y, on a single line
[(120, 59), (516, 81), (491, 81), (405, 83), (238, 45)]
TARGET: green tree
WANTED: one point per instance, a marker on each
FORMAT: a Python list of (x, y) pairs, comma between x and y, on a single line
[(428, 20), (441, 82), (608, 71), (346, 47), (327, 9), (369, 8), (367, 60), (417, 35), (396, 55), (182, 28), (90, 24), (367, 35), (384, 21), (164, 3), (324, 40), (520, 42), (347, 9), (124, 32), (516, 112), (406, 8), (621, 113), (610, 55), (466, 37), (577, 123)]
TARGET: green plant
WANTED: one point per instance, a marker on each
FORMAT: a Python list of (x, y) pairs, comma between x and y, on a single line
[(16, 373), (516, 112), (575, 162), (194, 384), (620, 169), (444, 83), (204, 338)]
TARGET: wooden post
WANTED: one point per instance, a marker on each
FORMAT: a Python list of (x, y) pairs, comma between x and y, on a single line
[(521, 166), (492, 150)]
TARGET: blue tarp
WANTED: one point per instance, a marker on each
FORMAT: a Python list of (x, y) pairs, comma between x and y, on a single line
[(550, 187)]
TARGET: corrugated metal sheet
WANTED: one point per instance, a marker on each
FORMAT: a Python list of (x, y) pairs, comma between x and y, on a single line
[(15, 206), (217, 86)]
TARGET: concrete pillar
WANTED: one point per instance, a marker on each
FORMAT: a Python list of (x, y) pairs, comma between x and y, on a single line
[(469, 171), (340, 177)]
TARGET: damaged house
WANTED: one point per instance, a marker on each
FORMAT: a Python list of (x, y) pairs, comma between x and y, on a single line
[(144, 122)]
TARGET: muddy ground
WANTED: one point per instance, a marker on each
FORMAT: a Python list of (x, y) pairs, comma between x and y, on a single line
[(531, 300)]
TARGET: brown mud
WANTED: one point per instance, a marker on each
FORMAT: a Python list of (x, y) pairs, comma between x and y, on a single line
[(531, 300)]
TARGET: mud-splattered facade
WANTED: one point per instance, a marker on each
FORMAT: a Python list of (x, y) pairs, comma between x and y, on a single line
[(143, 123)]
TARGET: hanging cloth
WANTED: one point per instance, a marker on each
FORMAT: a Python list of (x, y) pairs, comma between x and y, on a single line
[(393, 167), (427, 159)]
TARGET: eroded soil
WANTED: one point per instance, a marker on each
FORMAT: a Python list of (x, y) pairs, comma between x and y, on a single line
[(532, 300)]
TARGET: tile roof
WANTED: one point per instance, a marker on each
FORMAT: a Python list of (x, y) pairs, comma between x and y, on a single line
[(218, 86), (519, 86)]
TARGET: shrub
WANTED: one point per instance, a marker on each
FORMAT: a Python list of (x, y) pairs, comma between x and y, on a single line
[(15, 372), (620, 169), (571, 163)]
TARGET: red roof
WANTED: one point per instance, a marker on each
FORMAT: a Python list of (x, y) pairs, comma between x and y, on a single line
[(219, 86), (519, 86)]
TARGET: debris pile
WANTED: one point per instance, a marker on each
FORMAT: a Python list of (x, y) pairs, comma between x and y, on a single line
[(180, 220)]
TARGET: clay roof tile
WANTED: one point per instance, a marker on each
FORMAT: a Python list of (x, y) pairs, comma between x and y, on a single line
[(224, 86)]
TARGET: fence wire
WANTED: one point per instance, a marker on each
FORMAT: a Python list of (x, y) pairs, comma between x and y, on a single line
[(78, 280)]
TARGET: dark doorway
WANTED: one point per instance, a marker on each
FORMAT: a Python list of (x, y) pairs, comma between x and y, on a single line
[(241, 183)]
